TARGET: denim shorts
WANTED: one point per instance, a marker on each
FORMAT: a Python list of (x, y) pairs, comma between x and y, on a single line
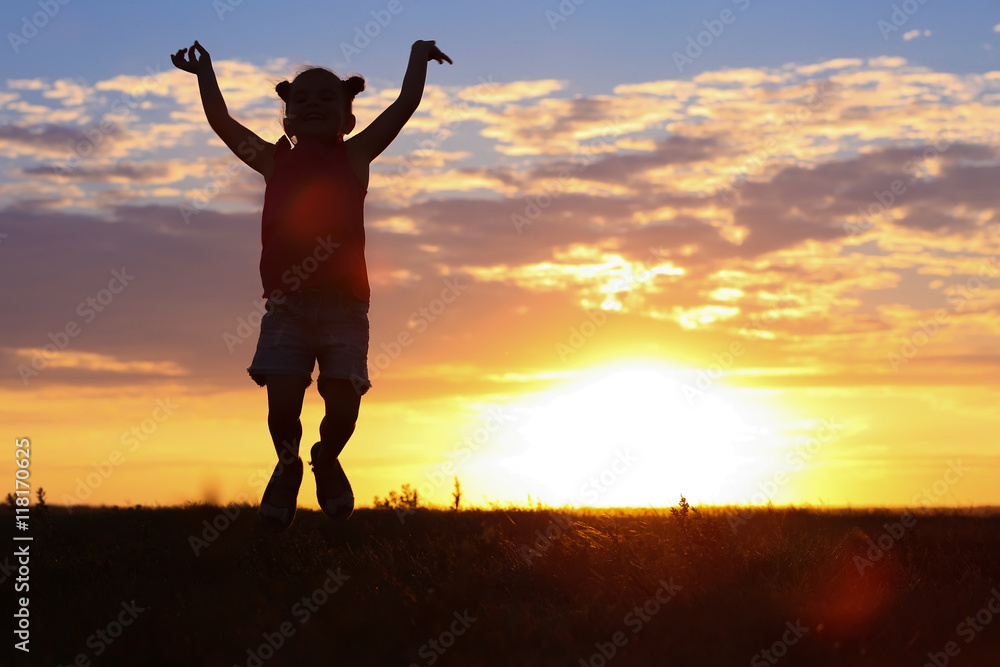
[(307, 325)]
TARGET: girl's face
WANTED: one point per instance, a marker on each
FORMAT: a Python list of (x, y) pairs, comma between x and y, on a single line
[(316, 108)]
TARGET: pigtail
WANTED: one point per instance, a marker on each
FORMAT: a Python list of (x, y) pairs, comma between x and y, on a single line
[(354, 85), (283, 89)]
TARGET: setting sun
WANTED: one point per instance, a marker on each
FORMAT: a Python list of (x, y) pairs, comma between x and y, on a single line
[(633, 435)]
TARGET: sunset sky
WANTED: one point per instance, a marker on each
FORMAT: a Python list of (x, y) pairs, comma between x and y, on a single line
[(735, 249)]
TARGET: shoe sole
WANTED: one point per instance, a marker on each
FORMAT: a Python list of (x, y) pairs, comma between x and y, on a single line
[(274, 517), (340, 507)]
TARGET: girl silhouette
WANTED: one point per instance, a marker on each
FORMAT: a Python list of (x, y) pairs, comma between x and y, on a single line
[(312, 262)]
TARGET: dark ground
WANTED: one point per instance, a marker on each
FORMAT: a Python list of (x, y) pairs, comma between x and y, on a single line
[(125, 587)]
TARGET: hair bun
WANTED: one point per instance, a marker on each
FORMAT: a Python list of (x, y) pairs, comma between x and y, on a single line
[(354, 85), (283, 89)]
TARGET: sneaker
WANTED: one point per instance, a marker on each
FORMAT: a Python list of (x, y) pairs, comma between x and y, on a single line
[(285, 481), (333, 489)]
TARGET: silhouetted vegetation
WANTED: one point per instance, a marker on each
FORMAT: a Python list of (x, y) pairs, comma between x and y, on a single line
[(405, 499), (512, 587)]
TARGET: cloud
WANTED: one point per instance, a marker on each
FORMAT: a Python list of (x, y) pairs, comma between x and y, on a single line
[(110, 173), (69, 93), (43, 359), (491, 93), (26, 84), (611, 166), (747, 204), (45, 138)]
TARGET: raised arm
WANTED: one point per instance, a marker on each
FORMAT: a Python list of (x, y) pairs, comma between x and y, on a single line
[(254, 151), (375, 138)]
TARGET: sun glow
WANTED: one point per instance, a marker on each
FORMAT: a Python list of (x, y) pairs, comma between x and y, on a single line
[(631, 437)]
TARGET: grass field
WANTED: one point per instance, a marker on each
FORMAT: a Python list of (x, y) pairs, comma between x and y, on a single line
[(680, 586)]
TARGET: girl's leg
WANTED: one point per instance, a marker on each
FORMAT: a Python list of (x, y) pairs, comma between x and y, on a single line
[(342, 405), (284, 406), (333, 489)]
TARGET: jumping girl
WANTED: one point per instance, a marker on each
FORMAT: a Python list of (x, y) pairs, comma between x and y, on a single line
[(312, 263)]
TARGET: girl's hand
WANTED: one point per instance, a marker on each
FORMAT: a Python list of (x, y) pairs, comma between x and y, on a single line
[(433, 52), (194, 63)]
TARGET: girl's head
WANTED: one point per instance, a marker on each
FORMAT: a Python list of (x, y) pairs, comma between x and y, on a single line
[(318, 104)]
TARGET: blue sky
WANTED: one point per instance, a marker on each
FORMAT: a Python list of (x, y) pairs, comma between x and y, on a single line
[(599, 45)]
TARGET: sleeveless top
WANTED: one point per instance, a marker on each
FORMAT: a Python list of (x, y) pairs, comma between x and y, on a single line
[(312, 225)]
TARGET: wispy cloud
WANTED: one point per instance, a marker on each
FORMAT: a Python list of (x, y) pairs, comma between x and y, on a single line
[(843, 203)]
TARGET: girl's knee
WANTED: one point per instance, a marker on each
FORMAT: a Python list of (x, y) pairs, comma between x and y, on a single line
[(285, 395), (339, 390), (340, 398), (285, 384)]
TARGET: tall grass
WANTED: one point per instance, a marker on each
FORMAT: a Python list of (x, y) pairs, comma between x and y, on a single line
[(679, 586)]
